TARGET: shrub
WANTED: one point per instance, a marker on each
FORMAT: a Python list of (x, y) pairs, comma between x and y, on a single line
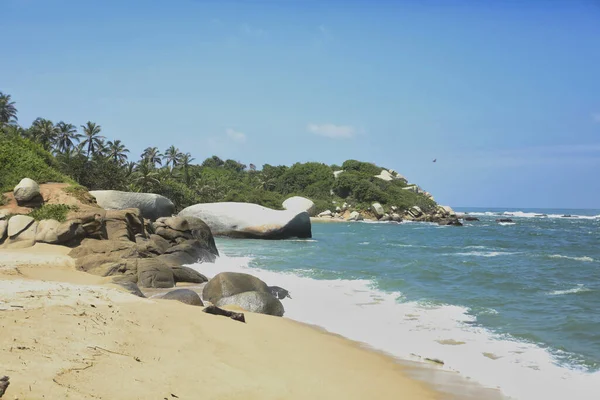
[(52, 211)]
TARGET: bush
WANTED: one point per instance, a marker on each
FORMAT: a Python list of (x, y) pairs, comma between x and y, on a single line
[(178, 193), (21, 158), (363, 168), (52, 211)]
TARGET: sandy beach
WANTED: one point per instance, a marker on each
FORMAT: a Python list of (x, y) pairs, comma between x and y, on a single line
[(71, 335)]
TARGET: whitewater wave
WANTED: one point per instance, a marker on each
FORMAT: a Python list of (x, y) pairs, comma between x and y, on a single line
[(506, 223), (584, 258), (521, 214), (382, 320), (579, 289), (483, 253)]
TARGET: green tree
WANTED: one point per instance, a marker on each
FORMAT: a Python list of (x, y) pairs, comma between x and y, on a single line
[(145, 175), (152, 155), (172, 157), (184, 164), (66, 135), (93, 141), (117, 151), (213, 162), (44, 132), (8, 111)]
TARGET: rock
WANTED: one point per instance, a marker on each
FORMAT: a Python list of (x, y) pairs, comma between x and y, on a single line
[(26, 190), (92, 253), (4, 382), (3, 229), (23, 239), (185, 296), (151, 206), (504, 220), (385, 218), (46, 231), (298, 203), (69, 231), (185, 228), (246, 220), (385, 175), (187, 274), (446, 210), (355, 216), (91, 221), (131, 287), (227, 284), (214, 310), (415, 211), (116, 268), (18, 224), (187, 252), (123, 224), (325, 214), (450, 221), (279, 292), (396, 217), (337, 173), (152, 273), (253, 301), (378, 210), (471, 219), (345, 206), (394, 208)]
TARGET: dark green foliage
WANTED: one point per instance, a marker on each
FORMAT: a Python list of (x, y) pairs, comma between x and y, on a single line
[(364, 168), (312, 177), (21, 158), (52, 211), (177, 192)]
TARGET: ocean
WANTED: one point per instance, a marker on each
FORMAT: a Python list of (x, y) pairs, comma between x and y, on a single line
[(512, 306)]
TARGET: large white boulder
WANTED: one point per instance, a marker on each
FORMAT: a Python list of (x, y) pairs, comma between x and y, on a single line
[(18, 224), (152, 206), (298, 203), (247, 220), (378, 210), (26, 190), (355, 216)]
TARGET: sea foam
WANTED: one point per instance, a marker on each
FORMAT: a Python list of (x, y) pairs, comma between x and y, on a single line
[(359, 311)]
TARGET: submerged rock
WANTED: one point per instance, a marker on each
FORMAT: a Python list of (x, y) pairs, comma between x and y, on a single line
[(246, 220), (253, 301), (228, 284)]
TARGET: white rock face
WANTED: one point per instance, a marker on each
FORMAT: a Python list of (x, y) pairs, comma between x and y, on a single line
[(26, 190), (448, 210), (337, 173), (326, 213), (46, 231), (378, 210), (18, 224), (298, 203), (355, 216), (246, 220), (385, 175), (152, 206)]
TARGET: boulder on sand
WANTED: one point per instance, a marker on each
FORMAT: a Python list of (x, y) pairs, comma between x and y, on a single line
[(152, 206), (26, 190), (185, 296), (378, 210), (227, 284), (298, 203), (253, 301), (355, 216), (246, 220)]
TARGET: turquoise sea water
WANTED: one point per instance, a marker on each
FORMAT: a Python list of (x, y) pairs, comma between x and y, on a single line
[(513, 305)]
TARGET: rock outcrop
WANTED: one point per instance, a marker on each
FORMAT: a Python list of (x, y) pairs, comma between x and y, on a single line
[(378, 210), (246, 220), (152, 206), (355, 216), (298, 203)]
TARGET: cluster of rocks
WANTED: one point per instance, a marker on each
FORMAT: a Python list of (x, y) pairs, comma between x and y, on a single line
[(149, 254)]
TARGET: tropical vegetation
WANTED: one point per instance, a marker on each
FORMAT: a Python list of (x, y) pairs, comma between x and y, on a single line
[(61, 152)]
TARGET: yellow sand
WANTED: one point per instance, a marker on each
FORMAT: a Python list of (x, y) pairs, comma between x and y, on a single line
[(69, 335)]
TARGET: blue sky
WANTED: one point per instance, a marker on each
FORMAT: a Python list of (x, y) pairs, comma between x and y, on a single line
[(505, 94)]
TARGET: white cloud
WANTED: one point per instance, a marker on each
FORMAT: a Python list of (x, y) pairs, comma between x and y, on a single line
[(332, 130), (252, 31), (236, 136), (596, 117)]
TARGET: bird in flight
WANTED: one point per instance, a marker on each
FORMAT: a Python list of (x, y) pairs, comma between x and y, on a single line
[(435, 159)]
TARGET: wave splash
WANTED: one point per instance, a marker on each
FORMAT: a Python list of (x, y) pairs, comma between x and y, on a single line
[(579, 289), (359, 311)]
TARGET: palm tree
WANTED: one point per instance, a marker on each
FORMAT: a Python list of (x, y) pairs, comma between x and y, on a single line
[(44, 132), (8, 111), (65, 136), (152, 155), (117, 151), (172, 156), (130, 168), (184, 162), (93, 141), (145, 175)]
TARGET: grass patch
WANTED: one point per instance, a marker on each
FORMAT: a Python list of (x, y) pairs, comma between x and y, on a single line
[(80, 193), (52, 211)]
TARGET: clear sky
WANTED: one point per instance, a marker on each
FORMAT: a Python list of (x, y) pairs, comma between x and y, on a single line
[(505, 94)]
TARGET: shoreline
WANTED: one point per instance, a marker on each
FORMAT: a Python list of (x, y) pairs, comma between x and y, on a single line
[(274, 357)]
